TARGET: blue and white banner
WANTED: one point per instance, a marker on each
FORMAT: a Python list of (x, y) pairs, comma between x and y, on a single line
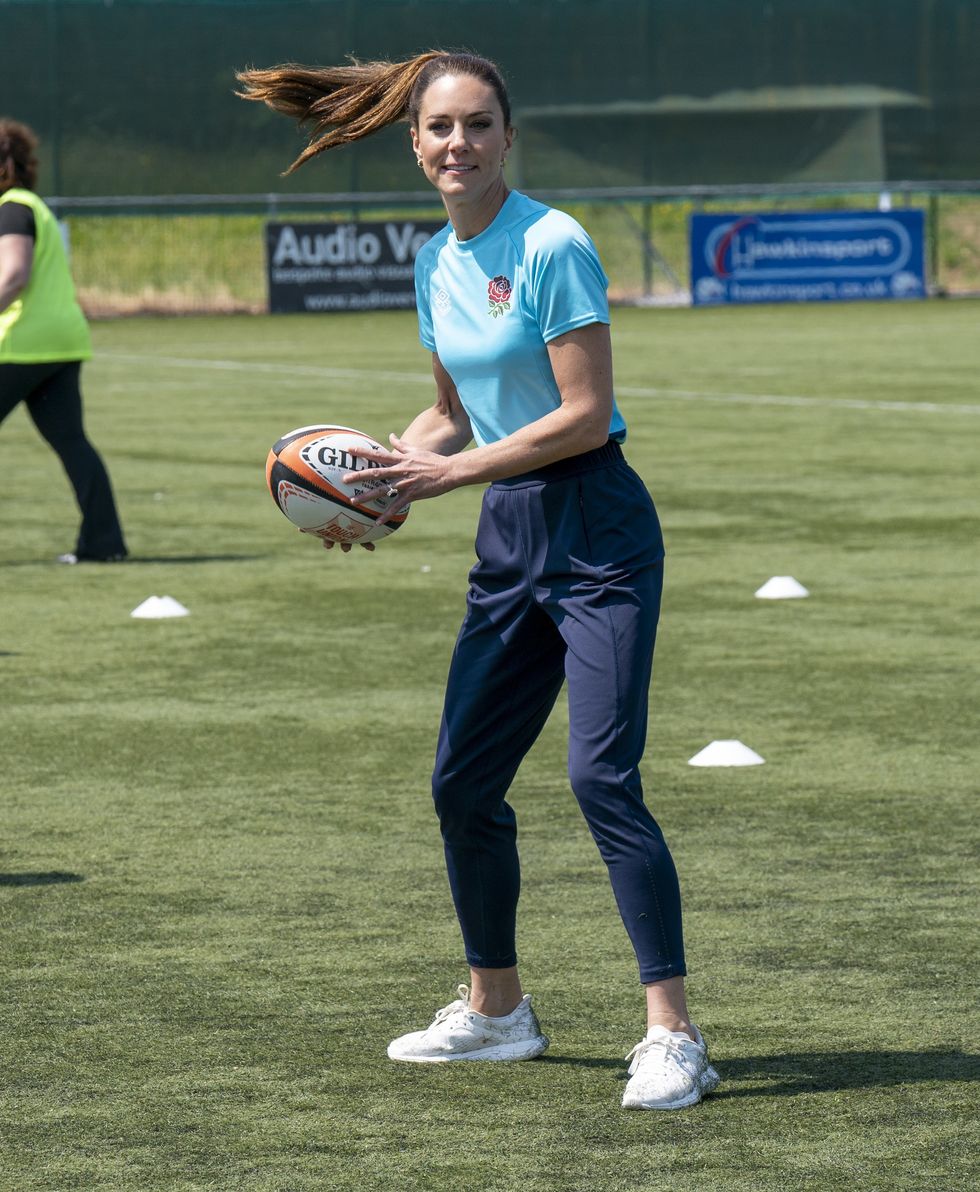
[(820, 256)]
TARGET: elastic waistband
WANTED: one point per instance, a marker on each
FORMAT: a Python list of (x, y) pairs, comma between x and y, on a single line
[(563, 469)]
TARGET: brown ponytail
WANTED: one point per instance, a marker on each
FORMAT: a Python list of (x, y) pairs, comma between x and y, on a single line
[(346, 103)]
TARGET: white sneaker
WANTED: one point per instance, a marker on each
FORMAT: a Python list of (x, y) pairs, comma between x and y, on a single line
[(669, 1071), (459, 1033)]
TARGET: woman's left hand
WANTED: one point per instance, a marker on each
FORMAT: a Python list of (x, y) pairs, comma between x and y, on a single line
[(414, 473)]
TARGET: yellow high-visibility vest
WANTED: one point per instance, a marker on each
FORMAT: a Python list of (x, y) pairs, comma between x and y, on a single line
[(45, 323)]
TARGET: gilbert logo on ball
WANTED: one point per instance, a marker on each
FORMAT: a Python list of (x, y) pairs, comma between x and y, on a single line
[(304, 472)]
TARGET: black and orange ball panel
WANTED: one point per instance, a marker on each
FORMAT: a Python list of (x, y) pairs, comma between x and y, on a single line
[(304, 472)]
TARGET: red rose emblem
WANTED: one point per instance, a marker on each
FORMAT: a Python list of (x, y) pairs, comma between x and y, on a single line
[(499, 289), (499, 294)]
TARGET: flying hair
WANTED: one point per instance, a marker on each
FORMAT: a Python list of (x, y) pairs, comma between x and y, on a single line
[(344, 104)]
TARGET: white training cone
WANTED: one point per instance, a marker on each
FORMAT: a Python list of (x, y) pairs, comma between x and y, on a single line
[(781, 587), (154, 608), (726, 753)]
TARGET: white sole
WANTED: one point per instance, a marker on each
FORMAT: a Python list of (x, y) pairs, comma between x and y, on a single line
[(504, 1053)]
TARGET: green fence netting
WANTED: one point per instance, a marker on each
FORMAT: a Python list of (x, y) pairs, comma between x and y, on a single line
[(136, 96)]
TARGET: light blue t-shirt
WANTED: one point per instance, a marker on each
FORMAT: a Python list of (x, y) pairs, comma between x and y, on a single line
[(489, 305)]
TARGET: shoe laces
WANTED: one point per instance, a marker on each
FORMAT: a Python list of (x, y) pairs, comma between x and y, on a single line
[(666, 1046), (461, 1005)]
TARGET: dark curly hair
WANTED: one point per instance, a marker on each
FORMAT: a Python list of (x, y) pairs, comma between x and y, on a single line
[(18, 163)]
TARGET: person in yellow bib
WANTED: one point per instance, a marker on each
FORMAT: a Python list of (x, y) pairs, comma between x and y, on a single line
[(43, 340)]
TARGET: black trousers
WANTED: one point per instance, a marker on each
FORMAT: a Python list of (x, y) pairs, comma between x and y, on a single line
[(54, 402)]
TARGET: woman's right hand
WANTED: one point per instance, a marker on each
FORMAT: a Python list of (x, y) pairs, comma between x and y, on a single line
[(345, 546)]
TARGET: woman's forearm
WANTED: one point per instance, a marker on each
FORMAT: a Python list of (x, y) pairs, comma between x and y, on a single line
[(435, 429), (10, 290), (562, 433), (16, 262), (582, 365)]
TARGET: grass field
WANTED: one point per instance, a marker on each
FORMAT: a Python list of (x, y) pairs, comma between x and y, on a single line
[(221, 885)]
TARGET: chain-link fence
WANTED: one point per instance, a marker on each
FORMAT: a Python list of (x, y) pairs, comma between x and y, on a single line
[(631, 114), (137, 96)]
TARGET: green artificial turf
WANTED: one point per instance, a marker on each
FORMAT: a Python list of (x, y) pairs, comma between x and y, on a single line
[(221, 884)]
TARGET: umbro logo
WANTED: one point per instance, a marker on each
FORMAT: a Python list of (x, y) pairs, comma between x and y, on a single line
[(443, 302)]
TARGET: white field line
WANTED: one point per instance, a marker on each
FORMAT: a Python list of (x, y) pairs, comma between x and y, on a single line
[(826, 403), (258, 366), (693, 395)]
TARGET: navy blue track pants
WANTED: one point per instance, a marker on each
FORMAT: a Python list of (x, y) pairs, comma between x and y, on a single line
[(566, 587), (54, 402)]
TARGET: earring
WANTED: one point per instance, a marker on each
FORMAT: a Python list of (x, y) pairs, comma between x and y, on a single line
[(418, 162)]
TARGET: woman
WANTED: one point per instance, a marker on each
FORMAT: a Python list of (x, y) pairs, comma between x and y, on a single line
[(44, 339), (512, 304)]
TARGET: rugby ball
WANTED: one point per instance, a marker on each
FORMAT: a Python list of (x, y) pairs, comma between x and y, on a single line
[(304, 473)]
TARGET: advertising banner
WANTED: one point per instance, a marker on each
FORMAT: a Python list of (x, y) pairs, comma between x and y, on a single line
[(821, 256), (343, 266)]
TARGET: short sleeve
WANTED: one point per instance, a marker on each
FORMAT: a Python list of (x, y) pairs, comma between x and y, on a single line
[(426, 332), (568, 284), (17, 219)]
